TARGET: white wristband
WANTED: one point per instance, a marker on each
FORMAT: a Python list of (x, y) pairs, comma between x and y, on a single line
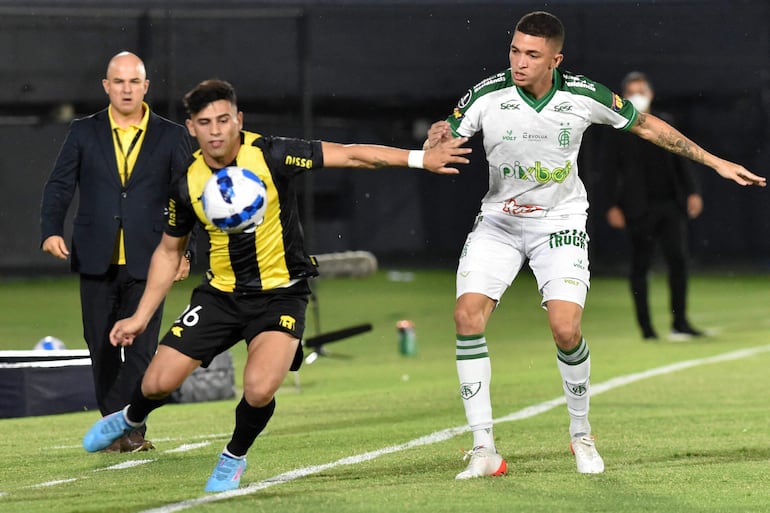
[(415, 159)]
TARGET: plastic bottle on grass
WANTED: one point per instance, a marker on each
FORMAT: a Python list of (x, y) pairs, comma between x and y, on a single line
[(407, 338)]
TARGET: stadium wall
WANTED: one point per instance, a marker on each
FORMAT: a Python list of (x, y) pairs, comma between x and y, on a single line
[(379, 72)]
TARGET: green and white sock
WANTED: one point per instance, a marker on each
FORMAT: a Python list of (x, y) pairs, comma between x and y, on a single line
[(575, 369), (474, 369)]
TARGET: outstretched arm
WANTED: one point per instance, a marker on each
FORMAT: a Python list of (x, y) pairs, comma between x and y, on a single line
[(163, 271), (657, 131), (435, 159)]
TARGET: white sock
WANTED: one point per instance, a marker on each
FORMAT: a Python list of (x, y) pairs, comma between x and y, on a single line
[(475, 372), (575, 369)]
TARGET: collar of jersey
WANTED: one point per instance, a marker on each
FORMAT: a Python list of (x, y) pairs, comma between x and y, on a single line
[(538, 105)]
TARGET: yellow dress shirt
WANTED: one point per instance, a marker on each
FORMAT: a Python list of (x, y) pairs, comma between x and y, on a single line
[(127, 143)]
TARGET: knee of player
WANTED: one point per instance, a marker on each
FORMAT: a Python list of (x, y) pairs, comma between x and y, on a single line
[(468, 320), (158, 387), (566, 334), (258, 394)]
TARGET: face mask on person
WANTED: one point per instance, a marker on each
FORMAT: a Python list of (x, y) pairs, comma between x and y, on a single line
[(640, 101)]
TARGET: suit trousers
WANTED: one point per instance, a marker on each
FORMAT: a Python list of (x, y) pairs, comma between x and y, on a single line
[(117, 371), (667, 225)]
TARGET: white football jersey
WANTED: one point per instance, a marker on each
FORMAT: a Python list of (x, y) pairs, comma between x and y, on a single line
[(532, 145)]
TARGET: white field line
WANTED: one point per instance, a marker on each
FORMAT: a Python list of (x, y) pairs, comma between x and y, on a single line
[(446, 434), (124, 465), (188, 447), (120, 466), (54, 483), (212, 436)]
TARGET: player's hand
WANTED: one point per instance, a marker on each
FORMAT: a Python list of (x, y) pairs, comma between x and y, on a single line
[(56, 246), (447, 152), (739, 174), (125, 331), (615, 218), (694, 205), (437, 133), (183, 271)]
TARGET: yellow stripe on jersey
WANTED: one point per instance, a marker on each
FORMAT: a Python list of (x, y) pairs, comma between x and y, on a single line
[(267, 240), (271, 253)]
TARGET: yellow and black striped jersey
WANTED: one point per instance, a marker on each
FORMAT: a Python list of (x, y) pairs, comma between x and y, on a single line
[(273, 256)]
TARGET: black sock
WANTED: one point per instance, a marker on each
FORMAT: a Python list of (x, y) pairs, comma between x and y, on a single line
[(249, 422), (141, 406)]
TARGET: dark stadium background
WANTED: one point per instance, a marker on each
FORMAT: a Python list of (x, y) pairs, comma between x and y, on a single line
[(379, 72)]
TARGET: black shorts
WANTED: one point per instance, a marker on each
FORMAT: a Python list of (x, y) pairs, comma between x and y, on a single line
[(215, 321)]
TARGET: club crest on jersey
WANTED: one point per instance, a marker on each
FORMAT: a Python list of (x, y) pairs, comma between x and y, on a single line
[(468, 390), (564, 136), (617, 102)]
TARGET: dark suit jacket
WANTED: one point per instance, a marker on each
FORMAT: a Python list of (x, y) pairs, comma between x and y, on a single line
[(641, 174), (87, 161)]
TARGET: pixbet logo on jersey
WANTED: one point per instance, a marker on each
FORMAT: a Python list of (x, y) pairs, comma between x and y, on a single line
[(536, 173)]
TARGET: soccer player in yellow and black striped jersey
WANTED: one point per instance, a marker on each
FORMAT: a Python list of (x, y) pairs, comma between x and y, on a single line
[(256, 289)]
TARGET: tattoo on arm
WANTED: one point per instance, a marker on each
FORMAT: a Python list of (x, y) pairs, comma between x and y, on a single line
[(679, 144), (378, 163)]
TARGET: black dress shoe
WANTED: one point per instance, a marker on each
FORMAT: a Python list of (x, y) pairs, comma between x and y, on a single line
[(135, 442), (686, 329)]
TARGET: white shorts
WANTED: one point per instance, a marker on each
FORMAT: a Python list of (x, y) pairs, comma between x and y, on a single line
[(498, 246)]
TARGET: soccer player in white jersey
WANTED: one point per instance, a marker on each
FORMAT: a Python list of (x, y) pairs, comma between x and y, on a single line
[(533, 117)]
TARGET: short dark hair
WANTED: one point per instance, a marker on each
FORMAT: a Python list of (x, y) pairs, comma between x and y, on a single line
[(542, 24), (208, 92), (634, 76)]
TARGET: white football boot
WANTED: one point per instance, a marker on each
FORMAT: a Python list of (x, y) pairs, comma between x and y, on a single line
[(586, 456), (483, 462)]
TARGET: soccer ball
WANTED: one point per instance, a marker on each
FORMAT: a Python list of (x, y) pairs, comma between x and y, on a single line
[(50, 343), (234, 200)]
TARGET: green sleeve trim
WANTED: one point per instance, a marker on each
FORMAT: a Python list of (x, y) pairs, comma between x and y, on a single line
[(631, 123), (490, 84)]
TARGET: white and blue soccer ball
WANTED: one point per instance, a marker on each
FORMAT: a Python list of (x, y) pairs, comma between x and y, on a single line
[(50, 343), (234, 200)]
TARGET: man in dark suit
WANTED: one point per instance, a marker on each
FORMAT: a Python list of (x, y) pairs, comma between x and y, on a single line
[(123, 160), (653, 194)]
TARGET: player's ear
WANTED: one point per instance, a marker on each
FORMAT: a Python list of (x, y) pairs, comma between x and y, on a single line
[(146, 86), (106, 86), (190, 127), (557, 60), (240, 120)]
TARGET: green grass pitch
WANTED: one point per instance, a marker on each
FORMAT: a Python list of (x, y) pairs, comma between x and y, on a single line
[(693, 440)]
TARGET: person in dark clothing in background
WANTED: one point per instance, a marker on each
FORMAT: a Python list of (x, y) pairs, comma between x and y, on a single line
[(653, 195), (123, 160)]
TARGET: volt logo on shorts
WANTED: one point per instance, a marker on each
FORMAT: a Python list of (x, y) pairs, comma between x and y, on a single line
[(577, 238), (287, 321), (468, 390), (536, 173)]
